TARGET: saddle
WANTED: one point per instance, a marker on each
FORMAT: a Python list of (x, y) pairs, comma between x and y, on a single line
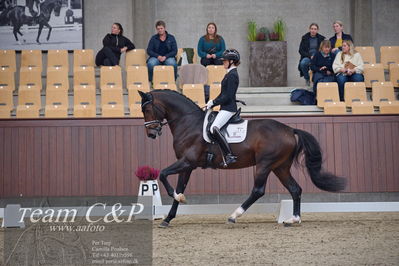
[(234, 130)]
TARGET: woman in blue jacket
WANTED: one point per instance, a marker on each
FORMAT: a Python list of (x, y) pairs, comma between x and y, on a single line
[(321, 65), (211, 46)]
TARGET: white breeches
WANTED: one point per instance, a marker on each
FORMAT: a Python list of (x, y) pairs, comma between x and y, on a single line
[(221, 119)]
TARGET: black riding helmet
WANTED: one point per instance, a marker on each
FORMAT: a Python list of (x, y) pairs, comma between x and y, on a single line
[(231, 54)]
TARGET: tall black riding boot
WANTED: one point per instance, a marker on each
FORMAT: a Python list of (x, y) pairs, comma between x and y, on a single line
[(228, 156)]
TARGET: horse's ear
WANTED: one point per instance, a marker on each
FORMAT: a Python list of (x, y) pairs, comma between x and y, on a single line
[(143, 95)]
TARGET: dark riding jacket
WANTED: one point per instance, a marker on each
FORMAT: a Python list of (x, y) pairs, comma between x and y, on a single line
[(116, 43), (227, 97)]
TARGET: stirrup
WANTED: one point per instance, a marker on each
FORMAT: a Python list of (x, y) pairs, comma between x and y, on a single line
[(229, 159)]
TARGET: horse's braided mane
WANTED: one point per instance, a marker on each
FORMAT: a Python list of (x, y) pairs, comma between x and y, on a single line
[(179, 94)]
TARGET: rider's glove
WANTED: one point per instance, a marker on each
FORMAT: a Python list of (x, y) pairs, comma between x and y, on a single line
[(209, 105)]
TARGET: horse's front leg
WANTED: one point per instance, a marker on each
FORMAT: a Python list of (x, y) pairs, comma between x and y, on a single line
[(181, 186), (176, 168), (49, 30)]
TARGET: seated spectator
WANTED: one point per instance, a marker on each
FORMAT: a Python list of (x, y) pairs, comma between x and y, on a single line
[(309, 46), (348, 66), (114, 45), (339, 37), (162, 49), (321, 65), (211, 46)]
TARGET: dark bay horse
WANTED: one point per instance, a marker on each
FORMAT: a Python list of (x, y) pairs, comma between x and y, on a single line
[(18, 18), (269, 145)]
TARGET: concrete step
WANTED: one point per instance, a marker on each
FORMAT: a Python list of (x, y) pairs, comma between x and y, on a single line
[(281, 109), (266, 99), (265, 90)]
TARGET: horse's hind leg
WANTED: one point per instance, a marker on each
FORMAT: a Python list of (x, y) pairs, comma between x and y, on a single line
[(39, 33), (262, 172), (284, 174)]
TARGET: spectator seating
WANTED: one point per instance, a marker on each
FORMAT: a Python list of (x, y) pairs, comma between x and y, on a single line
[(164, 75), (7, 79), (136, 57), (394, 74), (367, 53), (135, 103), (29, 102), (57, 58), (195, 92), (8, 60), (111, 77), (327, 92), (83, 58), (57, 79), (356, 98), (31, 77), (389, 54), (56, 103), (168, 86), (84, 78), (6, 102), (112, 102), (373, 73), (382, 92), (137, 78), (31, 59), (84, 102), (215, 74)]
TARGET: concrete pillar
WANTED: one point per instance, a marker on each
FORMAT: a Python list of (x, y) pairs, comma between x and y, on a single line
[(144, 21), (361, 22)]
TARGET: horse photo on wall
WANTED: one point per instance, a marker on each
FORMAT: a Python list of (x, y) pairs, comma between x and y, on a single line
[(41, 24)]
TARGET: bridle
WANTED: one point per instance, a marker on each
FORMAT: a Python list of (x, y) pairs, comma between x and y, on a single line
[(159, 124)]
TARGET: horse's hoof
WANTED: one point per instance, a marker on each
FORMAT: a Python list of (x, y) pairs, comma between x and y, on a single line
[(164, 224), (294, 220), (181, 198), (231, 220)]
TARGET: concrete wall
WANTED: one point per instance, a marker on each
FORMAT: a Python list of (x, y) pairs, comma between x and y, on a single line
[(187, 19), (385, 16), (99, 15)]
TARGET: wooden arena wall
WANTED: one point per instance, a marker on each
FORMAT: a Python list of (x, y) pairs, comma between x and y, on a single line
[(98, 157)]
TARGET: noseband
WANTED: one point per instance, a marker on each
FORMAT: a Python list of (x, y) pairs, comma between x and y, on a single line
[(159, 124)]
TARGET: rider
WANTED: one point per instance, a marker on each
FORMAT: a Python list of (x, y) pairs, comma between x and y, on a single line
[(227, 101)]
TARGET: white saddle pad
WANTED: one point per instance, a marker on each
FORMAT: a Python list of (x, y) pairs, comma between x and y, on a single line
[(234, 133)]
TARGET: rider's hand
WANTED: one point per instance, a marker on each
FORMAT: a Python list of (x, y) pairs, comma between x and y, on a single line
[(209, 105)]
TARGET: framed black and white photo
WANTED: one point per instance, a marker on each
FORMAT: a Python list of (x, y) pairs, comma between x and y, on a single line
[(41, 24)]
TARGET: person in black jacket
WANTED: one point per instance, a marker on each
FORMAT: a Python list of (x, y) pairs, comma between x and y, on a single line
[(309, 46), (114, 45), (321, 65), (339, 37), (227, 101)]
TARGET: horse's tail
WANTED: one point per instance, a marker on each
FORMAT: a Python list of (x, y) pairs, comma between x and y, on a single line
[(313, 160)]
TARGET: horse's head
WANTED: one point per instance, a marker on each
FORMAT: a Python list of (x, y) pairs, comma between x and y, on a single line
[(153, 115)]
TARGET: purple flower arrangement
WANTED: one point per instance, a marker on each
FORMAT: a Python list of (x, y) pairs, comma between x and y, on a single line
[(145, 173)]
